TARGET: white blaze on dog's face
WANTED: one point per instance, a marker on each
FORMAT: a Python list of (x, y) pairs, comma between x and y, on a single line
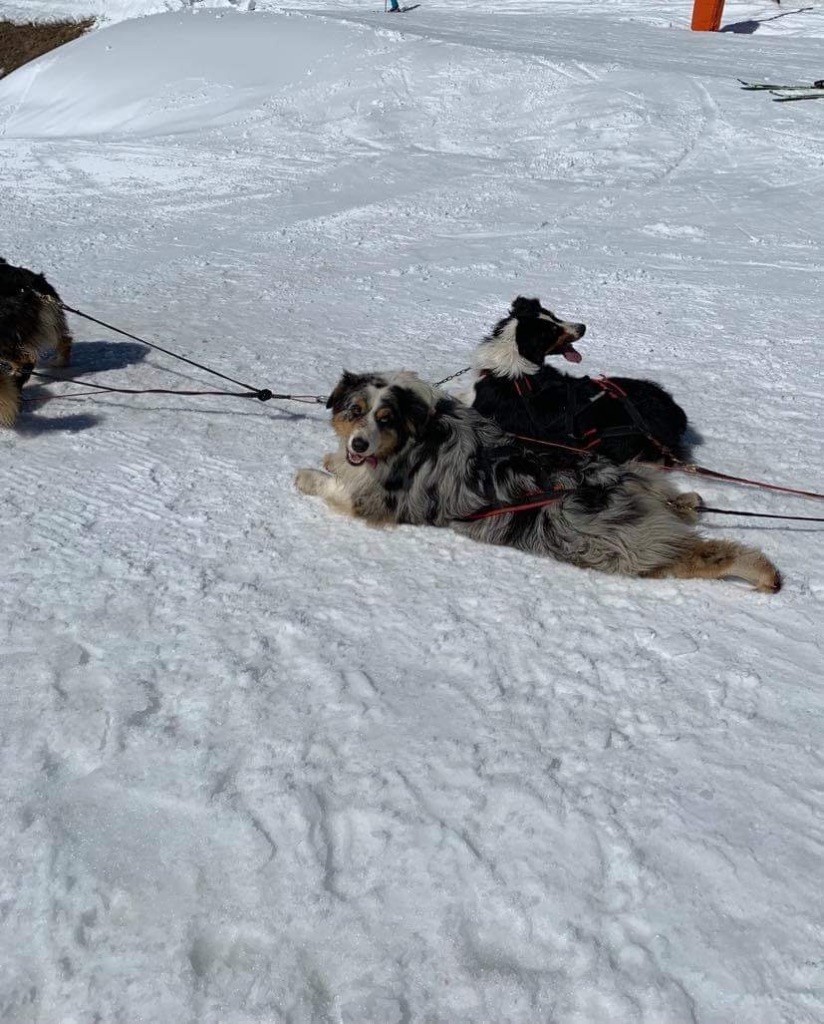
[(520, 342), (376, 414)]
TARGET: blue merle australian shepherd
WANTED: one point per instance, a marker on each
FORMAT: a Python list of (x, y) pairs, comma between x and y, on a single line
[(410, 453), (620, 418), (32, 322)]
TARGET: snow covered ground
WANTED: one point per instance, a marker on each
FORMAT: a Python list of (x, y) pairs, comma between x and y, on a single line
[(263, 765)]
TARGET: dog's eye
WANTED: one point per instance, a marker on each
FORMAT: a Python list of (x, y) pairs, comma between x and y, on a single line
[(356, 411), (384, 419)]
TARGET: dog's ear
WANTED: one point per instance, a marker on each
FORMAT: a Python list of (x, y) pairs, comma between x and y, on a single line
[(525, 307), (413, 408), (342, 388)]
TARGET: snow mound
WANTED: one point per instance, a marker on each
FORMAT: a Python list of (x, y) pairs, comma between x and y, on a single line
[(204, 71), (109, 10)]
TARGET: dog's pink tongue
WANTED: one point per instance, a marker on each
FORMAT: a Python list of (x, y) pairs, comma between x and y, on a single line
[(571, 354)]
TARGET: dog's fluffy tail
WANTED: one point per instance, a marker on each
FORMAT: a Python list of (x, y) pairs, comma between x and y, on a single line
[(9, 401), (723, 559)]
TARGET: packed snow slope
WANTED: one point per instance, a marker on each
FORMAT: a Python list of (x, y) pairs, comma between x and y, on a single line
[(265, 765)]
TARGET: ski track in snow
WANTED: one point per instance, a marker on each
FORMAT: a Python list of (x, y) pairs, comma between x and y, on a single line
[(266, 765)]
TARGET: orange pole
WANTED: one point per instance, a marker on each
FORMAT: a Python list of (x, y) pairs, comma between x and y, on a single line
[(706, 15)]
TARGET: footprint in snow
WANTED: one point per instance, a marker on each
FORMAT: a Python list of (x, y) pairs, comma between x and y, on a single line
[(670, 645)]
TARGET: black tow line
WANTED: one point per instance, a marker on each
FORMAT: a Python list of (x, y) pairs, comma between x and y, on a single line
[(262, 394), (758, 515), (140, 391), (452, 376)]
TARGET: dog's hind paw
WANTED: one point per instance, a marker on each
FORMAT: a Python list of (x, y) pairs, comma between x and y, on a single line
[(688, 506)]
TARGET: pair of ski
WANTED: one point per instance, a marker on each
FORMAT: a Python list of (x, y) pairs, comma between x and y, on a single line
[(787, 93)]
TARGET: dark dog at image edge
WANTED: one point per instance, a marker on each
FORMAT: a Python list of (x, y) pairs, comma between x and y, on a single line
[(32, 323), (412, 454), (620, 418)]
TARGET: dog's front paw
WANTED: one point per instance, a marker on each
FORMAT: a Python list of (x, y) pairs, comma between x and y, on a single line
[(309, 481), (329, 462)]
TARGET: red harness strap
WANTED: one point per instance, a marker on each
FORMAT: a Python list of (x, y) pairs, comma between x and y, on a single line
[(501, 510), (682, 467), (566, 447), (609, 386), (713, 474)]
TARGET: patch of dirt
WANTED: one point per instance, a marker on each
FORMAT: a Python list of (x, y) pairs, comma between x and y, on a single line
[(22, 42)]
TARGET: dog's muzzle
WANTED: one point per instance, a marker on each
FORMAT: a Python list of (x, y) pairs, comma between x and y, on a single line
[(565, 348), (357, 452)]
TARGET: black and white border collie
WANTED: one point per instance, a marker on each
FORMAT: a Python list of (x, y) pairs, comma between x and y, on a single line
[(620, 418), (410, 453), (32, 322)]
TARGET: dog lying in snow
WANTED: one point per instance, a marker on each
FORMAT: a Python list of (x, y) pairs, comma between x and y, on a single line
[(31, 323), (616, 417), (412, 454)]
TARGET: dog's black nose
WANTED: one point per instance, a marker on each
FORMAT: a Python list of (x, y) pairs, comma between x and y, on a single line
[(359, 444), (581, 329)]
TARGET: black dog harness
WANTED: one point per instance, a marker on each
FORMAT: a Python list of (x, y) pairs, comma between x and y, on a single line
[(565, 422)]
